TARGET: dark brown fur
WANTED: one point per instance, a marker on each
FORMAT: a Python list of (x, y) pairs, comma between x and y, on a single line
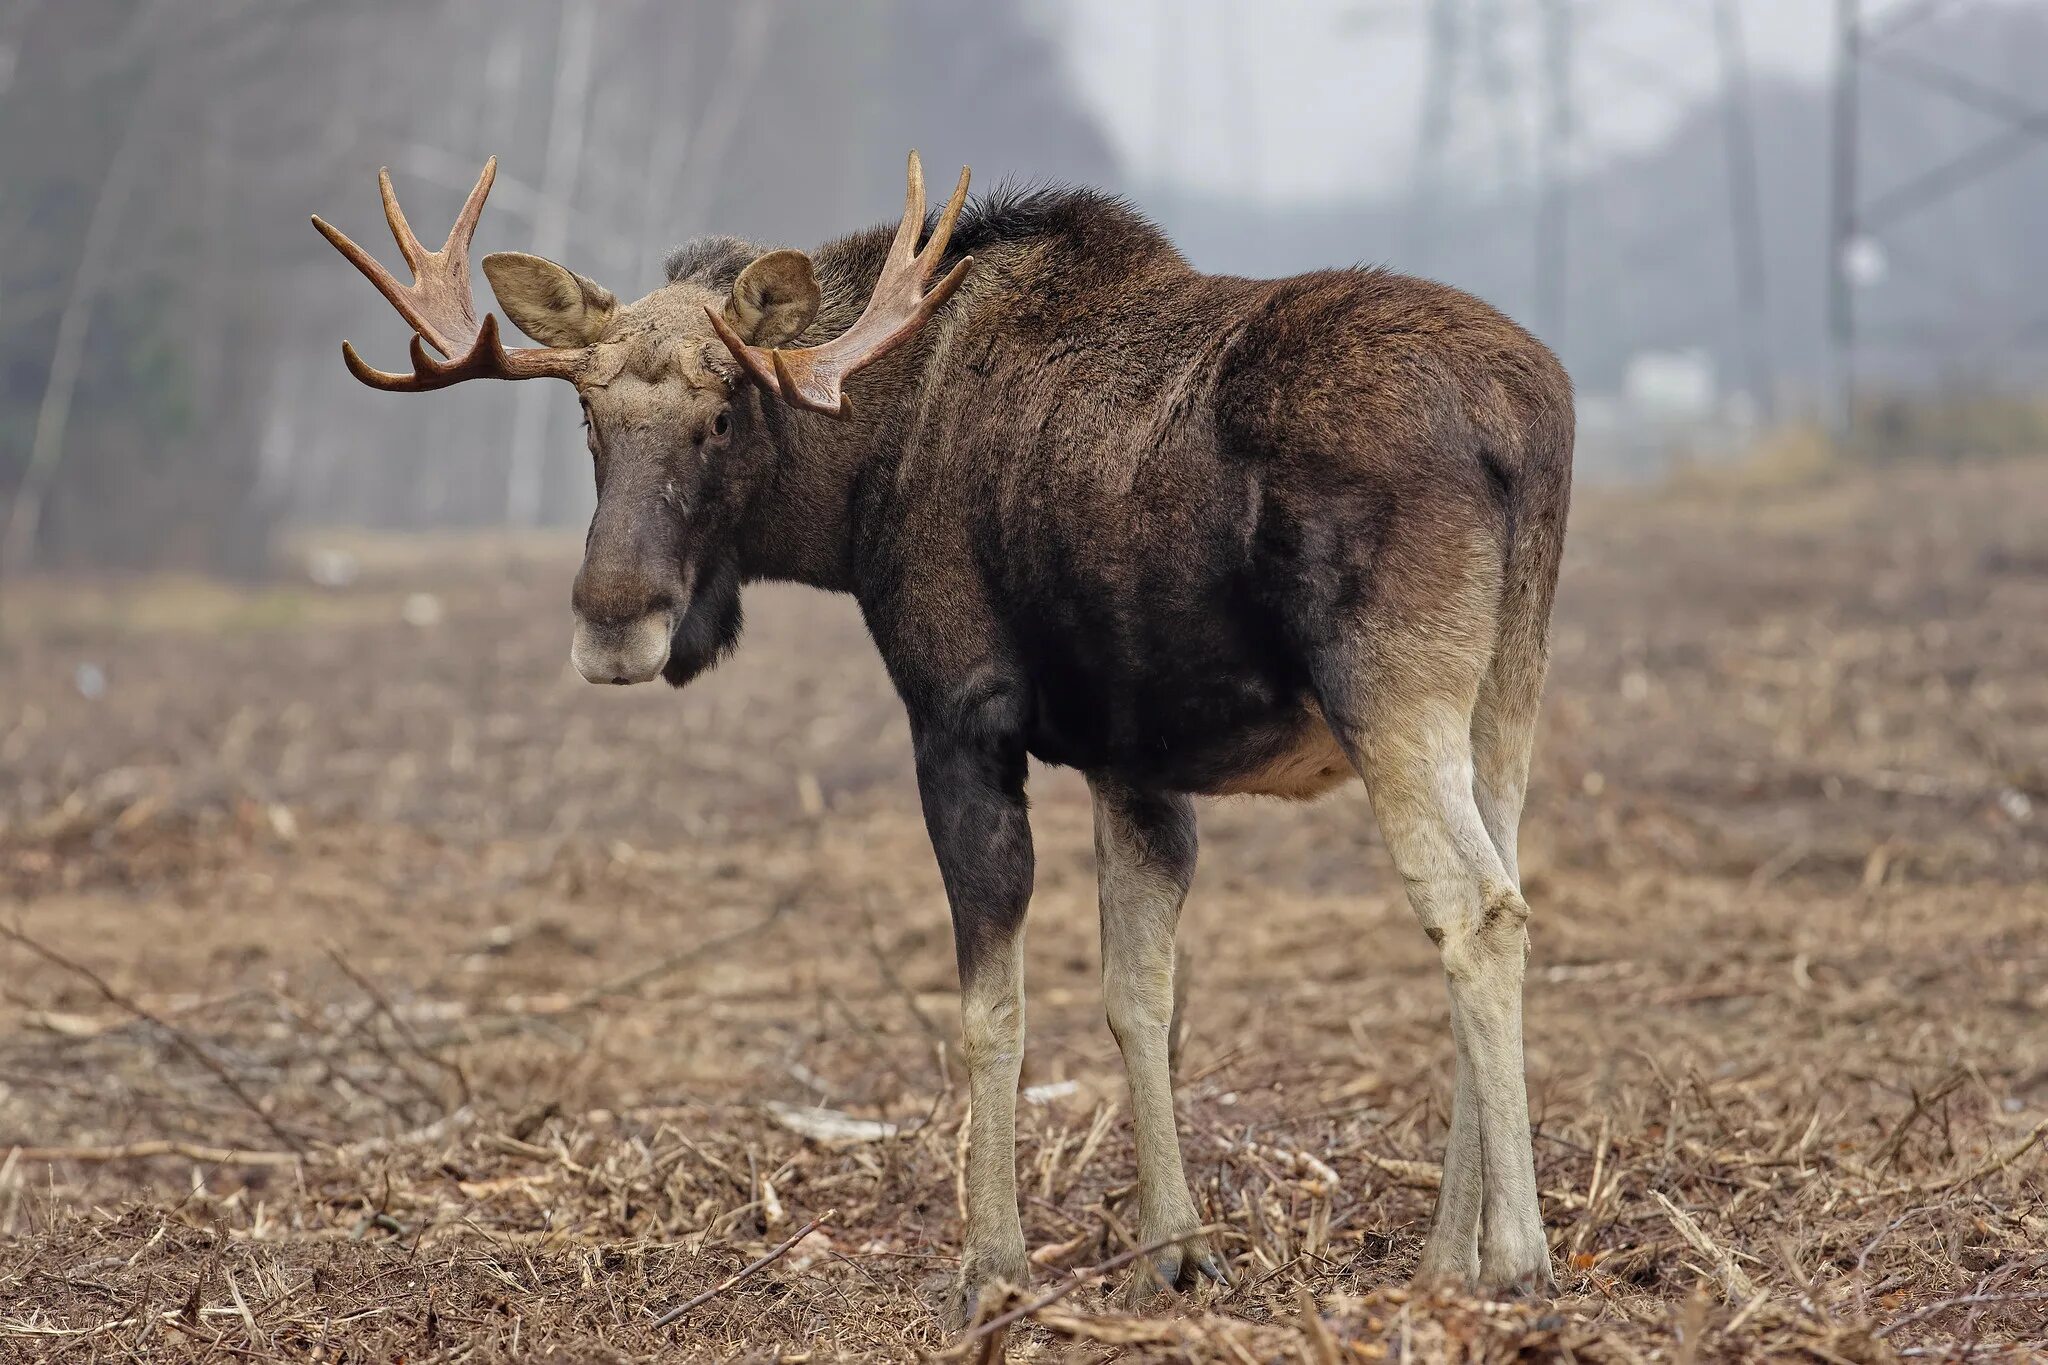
[(1189, 534), (1133, 501)]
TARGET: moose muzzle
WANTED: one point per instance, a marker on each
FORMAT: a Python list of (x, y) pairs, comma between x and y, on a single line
[(622, 652), (630, 592)]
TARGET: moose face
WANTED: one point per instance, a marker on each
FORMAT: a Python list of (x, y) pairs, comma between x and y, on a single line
[(676, 457), (676, 451)]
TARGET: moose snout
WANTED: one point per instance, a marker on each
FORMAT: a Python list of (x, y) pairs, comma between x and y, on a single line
[(631, 651)]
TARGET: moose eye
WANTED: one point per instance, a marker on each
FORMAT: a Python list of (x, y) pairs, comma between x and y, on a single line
[(721, 423)]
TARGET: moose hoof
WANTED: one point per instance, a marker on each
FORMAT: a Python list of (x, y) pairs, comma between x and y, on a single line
[(1448, 1264), (1535, 1282), (1181, 1267), (981, 1286)]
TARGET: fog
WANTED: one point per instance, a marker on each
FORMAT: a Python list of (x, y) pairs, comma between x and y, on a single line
[(1648, 187)]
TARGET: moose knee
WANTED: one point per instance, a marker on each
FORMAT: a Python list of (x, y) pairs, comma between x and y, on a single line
[(1139, 1009), (1494, 938), (991, 1030)]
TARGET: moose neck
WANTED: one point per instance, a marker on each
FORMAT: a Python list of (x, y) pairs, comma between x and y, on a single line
[(802, 526), (799, 527)]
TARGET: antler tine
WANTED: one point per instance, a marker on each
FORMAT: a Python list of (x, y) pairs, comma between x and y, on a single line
[(401, 231), (440, 308), (905, 244), (811, 377), (464, 230), (372, 268), (423, 367), (942, 235), (488, 358)]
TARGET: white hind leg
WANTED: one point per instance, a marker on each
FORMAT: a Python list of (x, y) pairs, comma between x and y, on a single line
[(1416, 756), (1419, 773), (1503, 736)]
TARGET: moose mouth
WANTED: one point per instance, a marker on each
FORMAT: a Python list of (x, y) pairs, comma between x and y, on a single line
[(621, 653)]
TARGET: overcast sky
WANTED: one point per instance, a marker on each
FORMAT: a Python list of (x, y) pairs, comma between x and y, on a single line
[(1333, 87)]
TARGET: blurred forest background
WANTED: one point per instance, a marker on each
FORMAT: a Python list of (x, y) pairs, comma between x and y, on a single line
[(1660, 207)]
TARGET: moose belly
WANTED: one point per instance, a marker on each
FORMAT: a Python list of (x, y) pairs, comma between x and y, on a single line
[(1301, 765)]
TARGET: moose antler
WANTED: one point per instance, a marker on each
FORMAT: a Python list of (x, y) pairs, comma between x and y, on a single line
[(810, 377), (440, 308)]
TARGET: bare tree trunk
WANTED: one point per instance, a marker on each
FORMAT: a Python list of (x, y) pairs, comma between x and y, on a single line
[(67, 358), (14, 23), (551, 234), (719, 124)]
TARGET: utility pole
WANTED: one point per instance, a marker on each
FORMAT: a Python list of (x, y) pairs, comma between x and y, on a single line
[(1169, 62), (1433, 132), (1842, 220), (1553, 253), (1745, 211)]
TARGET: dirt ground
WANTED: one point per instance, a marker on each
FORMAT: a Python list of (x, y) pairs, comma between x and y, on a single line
[(372, 990)]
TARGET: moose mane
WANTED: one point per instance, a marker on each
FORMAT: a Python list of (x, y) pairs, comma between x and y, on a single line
[(1084, 225)]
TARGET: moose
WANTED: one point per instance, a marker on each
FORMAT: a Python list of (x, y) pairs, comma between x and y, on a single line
[(1191, 535)]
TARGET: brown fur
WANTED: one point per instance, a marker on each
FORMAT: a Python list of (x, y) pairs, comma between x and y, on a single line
[(1187, 533)]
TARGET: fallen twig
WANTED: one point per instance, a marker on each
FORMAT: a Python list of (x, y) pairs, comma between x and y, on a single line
[(1735, 1285), (753, 1267), (484, 1030), (1976, 1173), (1888, 1152), (405, 1032), (158, 1147), (1420, 1175), (1312, 1327), (177, 1035), (152, 1148), (1068, 1286)]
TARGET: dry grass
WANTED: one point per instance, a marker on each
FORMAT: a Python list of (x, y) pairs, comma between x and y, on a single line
[(382, 994)]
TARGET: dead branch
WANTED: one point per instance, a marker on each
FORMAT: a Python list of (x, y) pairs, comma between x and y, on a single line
[(158, 1147), (1066, 1287), (751, 1268), (405, 1033), (1735, 1285), (177, 1035)]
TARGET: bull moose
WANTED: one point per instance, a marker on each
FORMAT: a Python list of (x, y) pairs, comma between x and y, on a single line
[(1192, 535)]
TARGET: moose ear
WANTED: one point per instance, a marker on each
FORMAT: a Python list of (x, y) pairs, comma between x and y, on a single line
[(550, 303), (774, 299)]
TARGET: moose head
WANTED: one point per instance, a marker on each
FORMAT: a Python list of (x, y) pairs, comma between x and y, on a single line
[(676, 451)]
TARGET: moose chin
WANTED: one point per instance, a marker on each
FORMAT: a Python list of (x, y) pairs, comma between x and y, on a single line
[(1189, 534)]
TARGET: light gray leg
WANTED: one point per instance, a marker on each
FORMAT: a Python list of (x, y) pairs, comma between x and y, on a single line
[(1450, 1253), (992, 1037), (1418, 768), (1144, 860), (1502, 737)]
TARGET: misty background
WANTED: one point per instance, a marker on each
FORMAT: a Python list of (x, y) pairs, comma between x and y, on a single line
[(1656, 189)]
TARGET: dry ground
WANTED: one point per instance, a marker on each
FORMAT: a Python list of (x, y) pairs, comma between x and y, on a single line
[(380, 992)]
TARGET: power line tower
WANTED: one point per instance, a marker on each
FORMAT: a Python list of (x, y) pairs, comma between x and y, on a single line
[(1867, 43), (1530, 63), (1500, 117), (1553, 246), (1745, 207)]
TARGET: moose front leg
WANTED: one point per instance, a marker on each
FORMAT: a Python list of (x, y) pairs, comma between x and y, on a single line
[(971, 779)]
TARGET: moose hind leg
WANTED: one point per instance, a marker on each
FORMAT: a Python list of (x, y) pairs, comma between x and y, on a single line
[(1406, 722), (1418, 772), (1503, 730), (1503, 736), (1450, 1254), (1144, 860)]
